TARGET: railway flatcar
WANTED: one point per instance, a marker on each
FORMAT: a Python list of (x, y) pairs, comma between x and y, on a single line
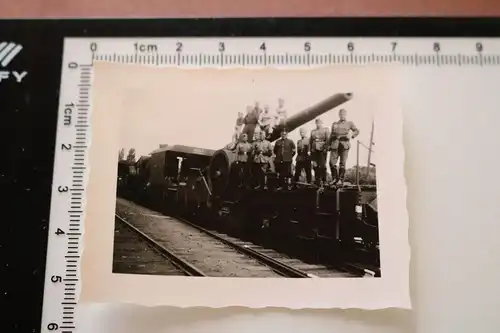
[(343, 215)]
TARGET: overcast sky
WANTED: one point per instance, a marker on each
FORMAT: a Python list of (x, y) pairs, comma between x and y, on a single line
[(199, 107)]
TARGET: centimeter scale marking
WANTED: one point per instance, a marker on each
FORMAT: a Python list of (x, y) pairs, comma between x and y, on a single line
[(71, 156), (301, 52), (68, 199), (307, 59)]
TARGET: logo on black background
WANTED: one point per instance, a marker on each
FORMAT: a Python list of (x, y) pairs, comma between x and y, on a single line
[(8, 51)]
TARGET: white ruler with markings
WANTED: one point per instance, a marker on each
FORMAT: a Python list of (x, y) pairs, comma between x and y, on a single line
[(74, 135)]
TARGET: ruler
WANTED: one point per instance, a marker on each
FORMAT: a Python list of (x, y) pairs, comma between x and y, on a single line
[(74, 134)]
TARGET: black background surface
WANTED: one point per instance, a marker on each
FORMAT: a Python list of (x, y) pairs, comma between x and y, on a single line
[(29, 114)]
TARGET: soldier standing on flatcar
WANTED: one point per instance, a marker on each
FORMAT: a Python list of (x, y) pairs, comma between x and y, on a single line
[(266, 120), (256, 133), (281, 114), (250, 121), (339, 145), (262, 152), (239, 122), (243, 149), (284, 150), (303, 160), (234, 139), (318, 148), (257, 109)]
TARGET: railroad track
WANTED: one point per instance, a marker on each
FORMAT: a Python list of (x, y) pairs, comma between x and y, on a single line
[(179, 263), (277, 266), (209, 255), (359, 269), (283, 265), (334, 269), (218, 254)]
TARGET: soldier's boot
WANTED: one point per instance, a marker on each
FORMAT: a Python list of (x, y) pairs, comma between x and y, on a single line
[(280, 183), (309, 178), (257, 182), (335, 178), (323, 176), (342, 175), (317, 176), (260, 181)]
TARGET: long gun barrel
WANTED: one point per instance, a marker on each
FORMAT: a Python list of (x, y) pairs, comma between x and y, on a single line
[(309, 114), (220, 164)]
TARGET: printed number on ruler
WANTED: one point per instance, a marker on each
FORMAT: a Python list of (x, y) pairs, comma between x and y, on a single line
[(67, 204), (297, 51)]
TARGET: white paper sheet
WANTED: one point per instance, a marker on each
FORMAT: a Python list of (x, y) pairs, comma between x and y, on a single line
[(141, 107)]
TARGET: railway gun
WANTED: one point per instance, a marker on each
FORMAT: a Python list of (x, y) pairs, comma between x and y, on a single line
[(202, 184)]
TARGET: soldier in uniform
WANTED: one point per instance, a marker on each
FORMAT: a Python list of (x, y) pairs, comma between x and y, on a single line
[(239, 122), (243, 149), (266, 121), (257, 109), (303, 160), (234, 139), (284, 150), (281, 113), (256, 133), (318, 148), (250, 121), (339, 143), (262, 152)]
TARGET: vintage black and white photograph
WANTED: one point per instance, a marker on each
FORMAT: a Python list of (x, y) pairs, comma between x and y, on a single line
[(247, 173), (289, 195)]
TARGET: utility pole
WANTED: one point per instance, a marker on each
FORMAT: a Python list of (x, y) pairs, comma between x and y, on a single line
[(370, 149)]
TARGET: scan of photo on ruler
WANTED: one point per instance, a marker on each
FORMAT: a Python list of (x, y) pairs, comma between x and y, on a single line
[(255, 187)]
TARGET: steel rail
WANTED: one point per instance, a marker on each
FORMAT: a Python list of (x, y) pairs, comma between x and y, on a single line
[(360, 270), (179, 263), (280, 268)]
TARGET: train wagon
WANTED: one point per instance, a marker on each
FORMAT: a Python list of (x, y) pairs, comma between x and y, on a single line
[(139, 180), (126, 170), (177, 177)]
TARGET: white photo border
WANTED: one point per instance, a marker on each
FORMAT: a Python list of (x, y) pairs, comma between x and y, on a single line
[(99, 284)]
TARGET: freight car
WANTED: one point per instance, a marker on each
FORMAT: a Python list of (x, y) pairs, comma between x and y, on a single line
[(176, 178), (138, 182), (126, 170), (132, 177)]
